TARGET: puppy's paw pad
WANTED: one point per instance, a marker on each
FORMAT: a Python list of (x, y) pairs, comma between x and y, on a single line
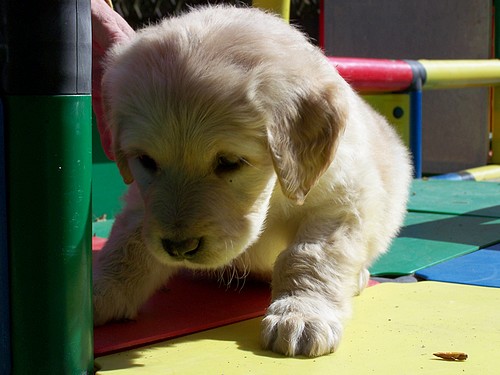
[(293, 330)]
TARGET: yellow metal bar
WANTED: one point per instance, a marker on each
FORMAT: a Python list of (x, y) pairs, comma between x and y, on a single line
[(495, 125), (396, 108), (485, 173), (280, 7), (445, 74)]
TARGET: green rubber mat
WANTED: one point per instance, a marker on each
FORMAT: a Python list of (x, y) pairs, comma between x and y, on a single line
[(456, 197), (102, 228), (446, 219), (107, 190), (428, 239)]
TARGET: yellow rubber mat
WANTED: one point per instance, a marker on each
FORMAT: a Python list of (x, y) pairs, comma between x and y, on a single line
[(395, 330)]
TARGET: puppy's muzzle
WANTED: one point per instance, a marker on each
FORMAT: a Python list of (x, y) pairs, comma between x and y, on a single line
[(185, 249)]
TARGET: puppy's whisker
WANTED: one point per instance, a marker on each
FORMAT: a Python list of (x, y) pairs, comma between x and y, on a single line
[(250, 164), (235, 273)]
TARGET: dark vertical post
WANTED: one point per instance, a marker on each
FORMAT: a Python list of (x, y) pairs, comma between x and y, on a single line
[(495, 91), (496, 27)]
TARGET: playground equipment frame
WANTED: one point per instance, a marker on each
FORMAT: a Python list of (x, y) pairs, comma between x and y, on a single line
[(60, 340)]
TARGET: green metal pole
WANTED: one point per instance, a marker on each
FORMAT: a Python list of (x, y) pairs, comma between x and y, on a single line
[(49, 163), (5, 354), (49, 174)]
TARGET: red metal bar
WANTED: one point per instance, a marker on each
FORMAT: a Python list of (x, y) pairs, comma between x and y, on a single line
[(374, 75)]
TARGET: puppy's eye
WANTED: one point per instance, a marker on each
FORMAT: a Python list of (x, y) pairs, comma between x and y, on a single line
[(227, 164), (148, 163)]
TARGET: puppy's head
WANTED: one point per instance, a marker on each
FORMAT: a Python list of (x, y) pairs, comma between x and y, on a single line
[(205, 124)]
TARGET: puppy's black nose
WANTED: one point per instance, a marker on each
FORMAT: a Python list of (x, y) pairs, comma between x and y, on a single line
[(182, 249)]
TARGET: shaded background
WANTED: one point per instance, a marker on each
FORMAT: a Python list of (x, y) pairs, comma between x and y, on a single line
[(455, 122), (139, 13)]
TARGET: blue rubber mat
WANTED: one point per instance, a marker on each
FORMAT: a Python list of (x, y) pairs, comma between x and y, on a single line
[(480, 268)]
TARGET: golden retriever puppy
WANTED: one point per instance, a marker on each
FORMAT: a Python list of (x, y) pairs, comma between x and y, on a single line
[(246, 150)]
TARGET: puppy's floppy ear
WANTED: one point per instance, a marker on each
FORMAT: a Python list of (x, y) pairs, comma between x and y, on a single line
[(303, 138), (107, 84), (120, 157)]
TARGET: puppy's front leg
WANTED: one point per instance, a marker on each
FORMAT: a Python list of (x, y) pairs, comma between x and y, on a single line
[(126, 275), (313, 283)]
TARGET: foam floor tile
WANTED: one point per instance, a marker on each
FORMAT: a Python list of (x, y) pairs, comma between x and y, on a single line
[(481, 267), (456, 197), (429, 239), (394, 330), (107, 190), (186, 305)]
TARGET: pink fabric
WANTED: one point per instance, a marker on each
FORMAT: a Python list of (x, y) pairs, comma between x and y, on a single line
[(108, 28)]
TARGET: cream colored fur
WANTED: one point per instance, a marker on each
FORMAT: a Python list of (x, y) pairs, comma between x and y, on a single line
[(245, 149)]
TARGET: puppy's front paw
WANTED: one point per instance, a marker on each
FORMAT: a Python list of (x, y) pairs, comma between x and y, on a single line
[(301, 326), (110, 303)]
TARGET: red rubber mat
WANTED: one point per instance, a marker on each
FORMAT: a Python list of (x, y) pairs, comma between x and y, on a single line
[(187, 304)]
